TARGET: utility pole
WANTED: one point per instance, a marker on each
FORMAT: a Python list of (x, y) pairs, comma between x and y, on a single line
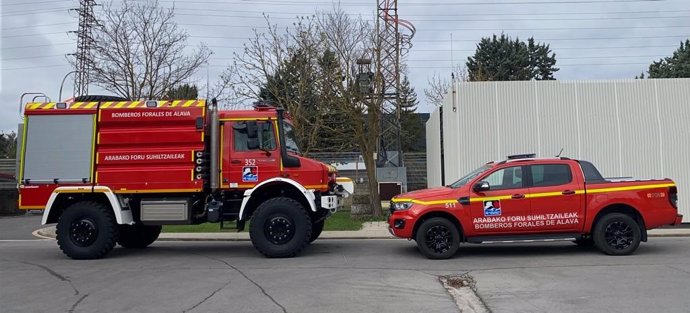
[(87, 20)]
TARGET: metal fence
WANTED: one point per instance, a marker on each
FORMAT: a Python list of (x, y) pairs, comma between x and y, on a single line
[(8, 169)]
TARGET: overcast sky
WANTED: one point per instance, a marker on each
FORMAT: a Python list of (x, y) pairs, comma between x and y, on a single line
[(592, 39)]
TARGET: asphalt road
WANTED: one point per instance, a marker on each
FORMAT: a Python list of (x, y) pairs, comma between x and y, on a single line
[(19, 227), (343, 276)]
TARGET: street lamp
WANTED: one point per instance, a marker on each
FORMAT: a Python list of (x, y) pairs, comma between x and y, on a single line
[(63, 83)]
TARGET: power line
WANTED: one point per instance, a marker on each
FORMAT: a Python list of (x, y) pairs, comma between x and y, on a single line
[(36, 2), (40, 34), (33, 57), (36, 46), (42, 25), (24, 12), (32, 67)]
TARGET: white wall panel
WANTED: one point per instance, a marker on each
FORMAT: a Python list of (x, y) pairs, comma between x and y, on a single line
[(638, 128)]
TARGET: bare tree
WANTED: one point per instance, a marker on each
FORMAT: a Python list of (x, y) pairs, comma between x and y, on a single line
[(140, 52), (438, 86), (311, 69)]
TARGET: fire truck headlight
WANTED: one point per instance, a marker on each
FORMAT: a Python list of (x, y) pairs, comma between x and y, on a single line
[(401, 206)]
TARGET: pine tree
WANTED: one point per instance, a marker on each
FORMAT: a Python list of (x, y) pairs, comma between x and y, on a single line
[(501, 58), (675, 66), (412, 128), (182, 92)]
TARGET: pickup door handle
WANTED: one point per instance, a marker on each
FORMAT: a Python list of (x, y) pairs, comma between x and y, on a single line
[(568, 192), (518, 196), (236, 162)]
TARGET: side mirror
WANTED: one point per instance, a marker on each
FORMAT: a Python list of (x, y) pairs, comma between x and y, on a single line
[(481, 186), (252, 130), (253, 143)]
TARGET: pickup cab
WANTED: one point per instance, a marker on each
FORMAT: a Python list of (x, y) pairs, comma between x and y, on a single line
[(525, 199)]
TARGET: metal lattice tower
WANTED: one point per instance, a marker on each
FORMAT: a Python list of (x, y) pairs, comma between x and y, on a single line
[(87, 20), (392, 45)]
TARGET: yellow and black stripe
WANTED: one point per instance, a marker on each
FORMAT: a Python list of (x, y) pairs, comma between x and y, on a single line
[(116, 105)]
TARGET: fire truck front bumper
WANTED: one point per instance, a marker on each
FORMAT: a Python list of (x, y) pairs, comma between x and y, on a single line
[(331, 202)]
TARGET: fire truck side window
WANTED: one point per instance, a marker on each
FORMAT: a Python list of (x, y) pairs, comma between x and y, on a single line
[(265, 134)]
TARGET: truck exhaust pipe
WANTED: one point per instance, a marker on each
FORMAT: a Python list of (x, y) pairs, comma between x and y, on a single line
[(214, 137)]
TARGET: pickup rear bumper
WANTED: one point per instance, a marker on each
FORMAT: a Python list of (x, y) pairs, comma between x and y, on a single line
[(679, 219)]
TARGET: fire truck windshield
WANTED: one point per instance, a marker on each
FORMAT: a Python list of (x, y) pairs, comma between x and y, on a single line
[(291, 139)]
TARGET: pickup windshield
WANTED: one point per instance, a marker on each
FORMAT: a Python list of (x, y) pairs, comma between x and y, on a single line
[(473, 174)]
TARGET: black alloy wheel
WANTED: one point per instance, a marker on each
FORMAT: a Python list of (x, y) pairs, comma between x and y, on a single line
[(617, 234), (438, 238)]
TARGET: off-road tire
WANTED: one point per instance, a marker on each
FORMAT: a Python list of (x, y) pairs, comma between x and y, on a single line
[(280, 228), (617, 234), (438, 238), (138, 236), (316, 229), (73, 229)]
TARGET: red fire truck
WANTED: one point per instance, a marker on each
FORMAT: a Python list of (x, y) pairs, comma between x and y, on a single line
[(113, 172), (525, 199)]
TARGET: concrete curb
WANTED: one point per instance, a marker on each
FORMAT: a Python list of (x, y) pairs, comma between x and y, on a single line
[(371, 231)]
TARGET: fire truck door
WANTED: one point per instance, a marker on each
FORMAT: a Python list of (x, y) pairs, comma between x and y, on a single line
[(554, 197), (253, 153), (497, 210)]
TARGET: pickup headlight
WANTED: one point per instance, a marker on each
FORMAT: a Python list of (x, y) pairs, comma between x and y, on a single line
[(400, 206)]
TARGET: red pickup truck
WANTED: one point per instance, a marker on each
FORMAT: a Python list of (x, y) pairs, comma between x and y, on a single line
[(535, 199)]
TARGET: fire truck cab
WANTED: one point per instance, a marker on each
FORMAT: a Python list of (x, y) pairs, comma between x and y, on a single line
[(114, 172)]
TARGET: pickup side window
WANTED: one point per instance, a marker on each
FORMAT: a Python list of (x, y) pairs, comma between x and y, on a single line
[(591, 173), (506, 178), (265, 133), (550, 175)]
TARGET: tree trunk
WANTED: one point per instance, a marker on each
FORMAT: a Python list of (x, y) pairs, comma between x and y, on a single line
[(374, 197)]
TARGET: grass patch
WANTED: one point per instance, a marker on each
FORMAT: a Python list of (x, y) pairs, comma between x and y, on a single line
[(337, 221)]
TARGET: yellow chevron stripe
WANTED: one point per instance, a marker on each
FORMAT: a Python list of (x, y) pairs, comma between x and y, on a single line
[(106, 105), (90, 105), (76, 105), (49, 105), (175, 103), (133, 105), (628, 188), (187, 103), (538, 195), (120, 104)]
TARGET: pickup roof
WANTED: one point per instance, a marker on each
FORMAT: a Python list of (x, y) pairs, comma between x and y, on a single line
[(530, 199)]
